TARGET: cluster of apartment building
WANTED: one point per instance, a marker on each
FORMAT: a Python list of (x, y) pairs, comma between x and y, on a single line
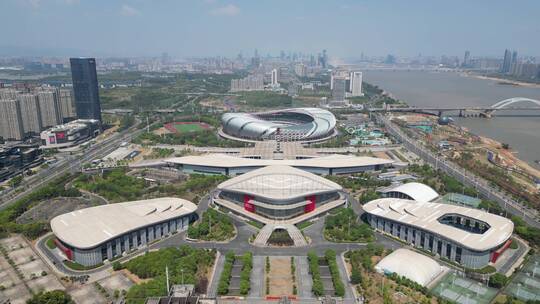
[(28, 112), (249, 83)]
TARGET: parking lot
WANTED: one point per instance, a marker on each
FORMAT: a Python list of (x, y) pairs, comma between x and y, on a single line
[(22, 271)]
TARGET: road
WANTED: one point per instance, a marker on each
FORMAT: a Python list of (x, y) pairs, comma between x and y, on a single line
[(72, 163), (240, 244), (467, 178)]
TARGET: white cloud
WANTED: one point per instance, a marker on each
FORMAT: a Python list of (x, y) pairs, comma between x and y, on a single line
[(227, 10), (70, 2), (127, 10)]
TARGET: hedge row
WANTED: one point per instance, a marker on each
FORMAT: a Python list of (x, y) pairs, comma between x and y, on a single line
[(318, 288), (247, 260), (225, 279), (339, 288)]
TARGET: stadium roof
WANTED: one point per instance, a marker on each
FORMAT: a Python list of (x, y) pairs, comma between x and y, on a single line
[(412, 265), (89, 227), (425, 216), (279, 183), (417, 191), (263, 124), (227, 161)]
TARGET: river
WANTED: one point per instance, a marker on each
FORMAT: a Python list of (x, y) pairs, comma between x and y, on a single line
[(426, 88)]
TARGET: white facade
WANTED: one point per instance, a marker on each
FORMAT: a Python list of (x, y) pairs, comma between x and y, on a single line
[(11, 126), (49, 108), (274, 80), (30, 113), (356, 84)]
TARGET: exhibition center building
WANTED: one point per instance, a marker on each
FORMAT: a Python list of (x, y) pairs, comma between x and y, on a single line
[(231, 165), (300, 124), (471, 237), (92, 235), (279, 193)]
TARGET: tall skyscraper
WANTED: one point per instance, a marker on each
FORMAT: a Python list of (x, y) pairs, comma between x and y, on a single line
[(466, 59), (30, 114), (338, 89), (11, 126), (85, 88), (274, 80), (356, 83), (49, 109), (507, 62)]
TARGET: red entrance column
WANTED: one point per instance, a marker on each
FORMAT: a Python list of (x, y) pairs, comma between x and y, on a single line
[(310, 205), (248, 205)]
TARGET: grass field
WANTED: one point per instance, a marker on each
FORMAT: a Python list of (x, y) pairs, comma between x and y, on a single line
[(186, 127)]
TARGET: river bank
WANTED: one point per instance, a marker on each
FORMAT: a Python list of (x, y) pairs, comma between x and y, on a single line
[(439, 89), (502, 81)]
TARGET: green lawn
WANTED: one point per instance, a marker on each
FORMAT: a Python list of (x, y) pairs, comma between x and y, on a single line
[(77, 266), (50, 243), (188, 127)]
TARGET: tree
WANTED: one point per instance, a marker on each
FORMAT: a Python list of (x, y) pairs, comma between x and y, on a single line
[(356, 276), (51, 297), (15, 181), (498, 280)]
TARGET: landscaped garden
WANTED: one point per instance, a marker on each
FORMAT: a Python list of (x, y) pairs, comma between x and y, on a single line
[(212, 226), (185, 265), (346, 226)]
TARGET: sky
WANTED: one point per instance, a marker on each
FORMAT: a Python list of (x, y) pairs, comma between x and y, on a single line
[(196, 28)]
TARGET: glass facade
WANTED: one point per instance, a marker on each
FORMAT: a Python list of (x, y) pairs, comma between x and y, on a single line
[(85, 88)]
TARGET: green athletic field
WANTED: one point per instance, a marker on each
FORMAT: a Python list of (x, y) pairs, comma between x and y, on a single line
[(182, 128)]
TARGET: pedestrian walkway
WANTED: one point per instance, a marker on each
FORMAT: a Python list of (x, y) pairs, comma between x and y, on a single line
[(265, 233), (212, 289)]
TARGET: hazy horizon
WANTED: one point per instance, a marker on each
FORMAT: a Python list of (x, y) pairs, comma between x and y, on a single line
[(196, 28)]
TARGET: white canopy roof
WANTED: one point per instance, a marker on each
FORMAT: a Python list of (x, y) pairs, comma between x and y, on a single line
[(417, 191), (412, 265), (425, 216), (279, 183), (227, 161), (89, 227)]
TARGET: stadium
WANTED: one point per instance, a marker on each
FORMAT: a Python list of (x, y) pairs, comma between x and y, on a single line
[(300, 124), (470, 237), (92, 235), (278, 193)]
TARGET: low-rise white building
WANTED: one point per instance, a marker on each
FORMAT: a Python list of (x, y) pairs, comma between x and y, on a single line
[(91, 235), (69, 134)]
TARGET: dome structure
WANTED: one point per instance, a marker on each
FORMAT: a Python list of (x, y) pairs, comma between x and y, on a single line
[(414, 191), (299, 124), (414, 266)]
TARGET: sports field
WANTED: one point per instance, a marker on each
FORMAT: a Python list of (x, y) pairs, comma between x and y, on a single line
[(463, 291), (186, 127)]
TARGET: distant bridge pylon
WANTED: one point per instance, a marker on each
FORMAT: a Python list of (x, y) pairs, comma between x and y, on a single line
[(504, 103)]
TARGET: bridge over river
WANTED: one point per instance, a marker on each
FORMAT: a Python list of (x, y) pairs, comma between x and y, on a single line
[(503, 105)]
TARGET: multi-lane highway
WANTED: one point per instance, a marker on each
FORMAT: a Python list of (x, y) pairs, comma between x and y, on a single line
[(71, 163), (467, 178)]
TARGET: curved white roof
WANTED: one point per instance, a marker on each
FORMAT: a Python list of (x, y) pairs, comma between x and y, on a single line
[(412, 265), (228, 161), (279, 183), (316, 123), (417, 191), (89, 227), (425, 216)]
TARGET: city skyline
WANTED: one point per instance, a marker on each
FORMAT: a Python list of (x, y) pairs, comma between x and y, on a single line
[(210, 28)]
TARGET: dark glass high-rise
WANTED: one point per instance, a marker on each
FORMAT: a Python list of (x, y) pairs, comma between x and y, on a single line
[(85, 88)]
